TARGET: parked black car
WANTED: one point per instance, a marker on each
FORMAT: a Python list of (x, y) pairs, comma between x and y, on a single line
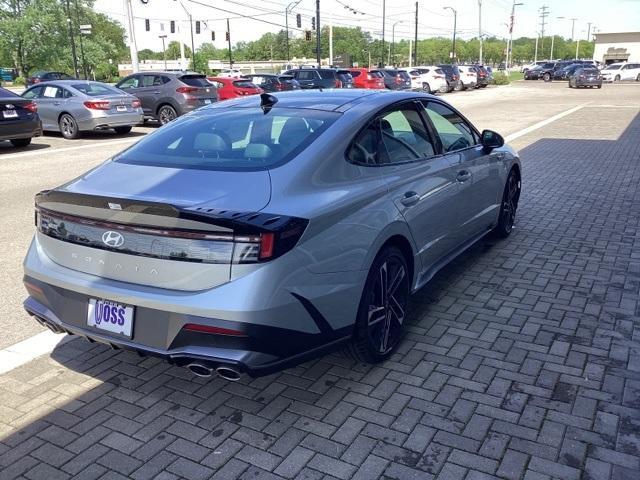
[(395, 79), (274, 83), (19, 120), (314, 78), (345, 78), (167, 95), (565, 72), (453, 76), (540, 71), (586, 76), (43, 76)]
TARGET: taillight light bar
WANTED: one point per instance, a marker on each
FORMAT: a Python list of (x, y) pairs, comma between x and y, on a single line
[(97, 105), (197, 327), (187, 89), (32, 107), (136, 103)]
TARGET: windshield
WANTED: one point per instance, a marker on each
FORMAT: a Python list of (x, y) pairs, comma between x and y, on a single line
[(231, 139), (614, 67), (96, 89)]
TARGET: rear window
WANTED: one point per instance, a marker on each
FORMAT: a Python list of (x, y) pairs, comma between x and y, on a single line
[(375, 74), (195, 80), (355, 73), (243, 84), (7, 93), (96, 90), (589, 71), (404, 75), (231, 139), (327, 74)]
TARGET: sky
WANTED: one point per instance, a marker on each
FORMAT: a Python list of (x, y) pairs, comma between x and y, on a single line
[(433, 19)]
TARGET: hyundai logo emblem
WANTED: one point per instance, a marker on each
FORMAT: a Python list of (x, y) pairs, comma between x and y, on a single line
[(112, 239)]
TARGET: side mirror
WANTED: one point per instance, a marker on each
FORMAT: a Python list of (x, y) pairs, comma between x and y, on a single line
[(491, 140)]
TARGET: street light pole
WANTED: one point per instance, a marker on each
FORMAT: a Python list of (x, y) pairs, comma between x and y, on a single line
[(384, 9), (193, 47), (289, 7), (535, 55), (455, 20), (318, 59), (73, 42), (392, 50), (164, 51), (510, 51), (480, 30)]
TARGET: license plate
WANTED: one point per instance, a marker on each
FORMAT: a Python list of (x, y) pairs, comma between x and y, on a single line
[(110, 316), (207, 101), (10, 114), (121, 108)]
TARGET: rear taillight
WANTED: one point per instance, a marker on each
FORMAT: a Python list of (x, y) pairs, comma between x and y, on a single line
[(398, 79), (455, 77), (187, 89), (338, 84), (32, 107), (136, 104), (280, 86), (369, 77), (99, 105), (35, 80)]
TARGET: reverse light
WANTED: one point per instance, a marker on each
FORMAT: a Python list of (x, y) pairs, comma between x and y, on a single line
[(97, 105)]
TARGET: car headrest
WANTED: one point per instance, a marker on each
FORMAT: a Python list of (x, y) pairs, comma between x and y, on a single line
[(257, 151), (208, 141)]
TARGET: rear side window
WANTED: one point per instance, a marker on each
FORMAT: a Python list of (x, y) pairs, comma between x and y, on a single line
[(326, 74), (454, 132), (231, 139), (34, 92), (195, 80), (307, 75), (375, 74), (405, 137), (243, 84)]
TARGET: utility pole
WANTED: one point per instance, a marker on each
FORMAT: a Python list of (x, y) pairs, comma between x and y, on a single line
[(573, 27), (73, 42), (510, 50), (553, 37), (544, 13), (318, 56), (330, 40), (455, 19), (133, 47), (229, 44), (535, 55), (384, 14), (415, 40), (479, 29)]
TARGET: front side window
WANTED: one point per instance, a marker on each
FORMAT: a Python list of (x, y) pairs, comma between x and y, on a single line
[(306, 75), (131, 82), (231, 139), (404, 136), (454, 132)]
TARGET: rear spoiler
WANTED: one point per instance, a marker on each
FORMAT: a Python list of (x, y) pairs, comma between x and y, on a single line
[(145, 213)]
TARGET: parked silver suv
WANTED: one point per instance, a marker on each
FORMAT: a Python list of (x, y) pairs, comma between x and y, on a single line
[(168, 95), (259, 232)]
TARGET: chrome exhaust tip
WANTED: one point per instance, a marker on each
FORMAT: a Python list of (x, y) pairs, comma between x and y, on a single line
[(200, 370), (228, 374)]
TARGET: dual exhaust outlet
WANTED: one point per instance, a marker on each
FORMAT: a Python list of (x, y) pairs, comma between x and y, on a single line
[(205, 371)]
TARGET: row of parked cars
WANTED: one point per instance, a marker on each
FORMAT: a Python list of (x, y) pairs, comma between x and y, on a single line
[(582, 72), (57, 102)]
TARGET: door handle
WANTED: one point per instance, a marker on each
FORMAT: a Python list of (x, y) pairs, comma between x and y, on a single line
[(410, 198), (56, 103), (463, 175), (157, 92)]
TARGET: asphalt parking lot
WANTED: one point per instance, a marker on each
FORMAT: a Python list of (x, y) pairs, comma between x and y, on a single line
[(522, 359)]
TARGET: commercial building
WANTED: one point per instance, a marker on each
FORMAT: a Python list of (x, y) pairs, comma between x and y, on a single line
[(617, 47)]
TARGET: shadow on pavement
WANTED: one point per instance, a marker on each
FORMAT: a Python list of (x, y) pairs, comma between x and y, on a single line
[(520, 355)]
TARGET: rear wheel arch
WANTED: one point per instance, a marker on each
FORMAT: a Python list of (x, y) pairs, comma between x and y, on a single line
[(401, 243)]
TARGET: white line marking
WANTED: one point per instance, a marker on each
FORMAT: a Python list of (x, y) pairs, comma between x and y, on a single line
[(29, 349), (536, 126), (51, 151)]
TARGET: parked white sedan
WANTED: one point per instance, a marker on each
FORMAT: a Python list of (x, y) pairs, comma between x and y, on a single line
[(428, 78)]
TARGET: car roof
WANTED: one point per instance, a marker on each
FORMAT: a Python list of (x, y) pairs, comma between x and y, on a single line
[(75, 81), (331, 100)]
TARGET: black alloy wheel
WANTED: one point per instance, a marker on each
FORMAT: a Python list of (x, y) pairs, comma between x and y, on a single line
[(383, 307), (509, 205)]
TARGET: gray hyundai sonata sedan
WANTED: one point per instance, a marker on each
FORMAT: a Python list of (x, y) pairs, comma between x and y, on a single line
[(254, 234)]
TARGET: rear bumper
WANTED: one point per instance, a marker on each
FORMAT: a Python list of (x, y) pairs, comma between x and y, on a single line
[(25, 129), (261, 351), (584, 83), (100, 121)]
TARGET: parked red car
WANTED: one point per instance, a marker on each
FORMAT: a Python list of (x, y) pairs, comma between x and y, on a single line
[(234, 87), (363, 78)]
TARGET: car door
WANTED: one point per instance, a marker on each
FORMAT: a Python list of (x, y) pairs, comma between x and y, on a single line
[(133, 86), (421, 182), (477, 173), (48, 103)]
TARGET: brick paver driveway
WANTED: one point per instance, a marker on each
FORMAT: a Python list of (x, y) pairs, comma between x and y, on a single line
[(522, 361)]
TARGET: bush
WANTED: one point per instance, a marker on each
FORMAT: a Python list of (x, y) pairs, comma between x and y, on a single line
[(19, 81), (501, 79)]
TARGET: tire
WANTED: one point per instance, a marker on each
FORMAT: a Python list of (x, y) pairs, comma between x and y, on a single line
[(638, 78), (599, 86), (617, 79), (426, 87), (21, 142), (546, 77), (459, 87), (383, 308), (68, 127), (508, 206), (166, 114), (122, 130), (570, 86)]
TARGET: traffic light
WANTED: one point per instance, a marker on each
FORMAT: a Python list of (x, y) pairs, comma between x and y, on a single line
[(313, 23), (147, 26), (198, 27), (172, 26), (213, 36), (227, 36), (307, 35), (299, 20)]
